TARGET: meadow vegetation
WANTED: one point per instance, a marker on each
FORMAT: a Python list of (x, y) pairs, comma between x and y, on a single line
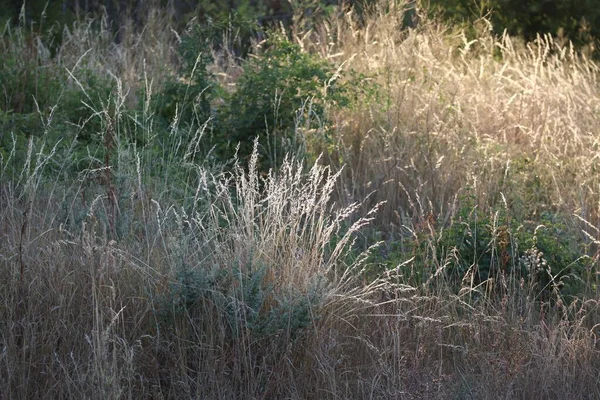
[(353, 209)]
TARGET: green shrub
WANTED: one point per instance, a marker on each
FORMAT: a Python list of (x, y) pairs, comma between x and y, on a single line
[(26, 76), (39, 97), (478, 247), (489, 246), (578, 23), (182, 110), (245, 298), (187, 98), (561, 262), (277, 89), (81, 101)]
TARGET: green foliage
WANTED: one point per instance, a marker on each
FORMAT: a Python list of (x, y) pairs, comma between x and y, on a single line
[(40, 98), (246, 298), (489, 246), (475, 242), (24, 77), (250, 10), (81, 102), (184, 109), (278, 88), (578, 21), (561, 261), (478, 247), (263, 311), (187, 98)]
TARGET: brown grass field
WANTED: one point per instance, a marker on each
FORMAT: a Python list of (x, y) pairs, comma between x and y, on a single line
[(332, 279)]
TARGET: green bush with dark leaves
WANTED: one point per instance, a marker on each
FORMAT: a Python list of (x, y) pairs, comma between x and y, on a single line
[(39, 97), (278, 89), (186, 99), (544, 253), (577, 21)]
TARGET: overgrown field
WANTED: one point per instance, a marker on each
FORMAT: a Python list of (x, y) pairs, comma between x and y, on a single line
[(345, 208)]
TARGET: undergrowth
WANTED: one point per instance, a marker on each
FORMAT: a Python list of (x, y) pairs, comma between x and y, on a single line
[(353, 211)]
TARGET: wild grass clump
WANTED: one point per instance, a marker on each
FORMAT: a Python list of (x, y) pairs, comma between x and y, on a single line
[(489, 114), (148, 298), (488, 123), (444, 245)]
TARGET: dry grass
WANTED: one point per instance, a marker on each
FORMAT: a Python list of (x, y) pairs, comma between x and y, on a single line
[(461, 110), (254, 288)]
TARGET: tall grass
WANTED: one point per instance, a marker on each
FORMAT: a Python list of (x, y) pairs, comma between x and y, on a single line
[(131, 273), (462, 108)]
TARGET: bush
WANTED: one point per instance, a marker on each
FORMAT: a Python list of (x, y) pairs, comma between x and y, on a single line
[(545, 253), (578, 23), (278, 88), (484, 250), (246, 300), (40, 98), (187, 98)]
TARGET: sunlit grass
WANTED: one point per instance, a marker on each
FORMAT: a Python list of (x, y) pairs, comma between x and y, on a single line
[(130, 272)]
